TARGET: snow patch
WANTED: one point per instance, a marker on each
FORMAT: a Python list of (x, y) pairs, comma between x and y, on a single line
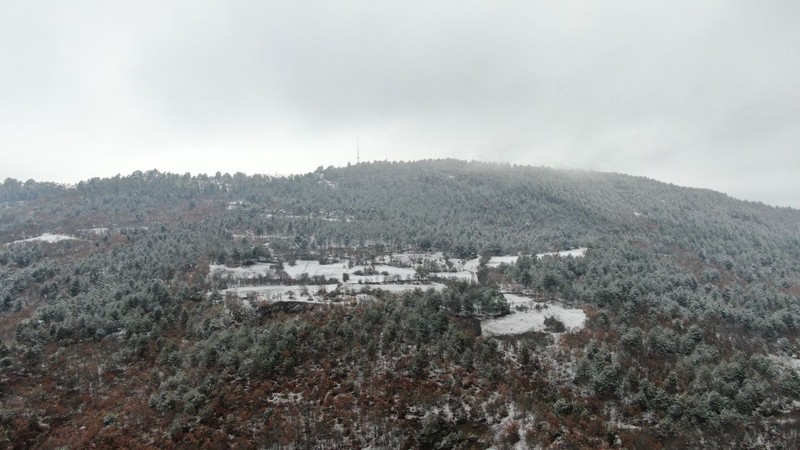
[(314, 268), (463, 275), (495, 261), (245, 272), (280, 293), (474, 264), (529, 315), (396, 288), (311, 293), (378, 273), (410, 259), (46, 237), (574, 253)]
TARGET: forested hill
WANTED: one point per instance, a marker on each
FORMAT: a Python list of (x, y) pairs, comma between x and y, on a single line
[(447, 205), (361, 307)]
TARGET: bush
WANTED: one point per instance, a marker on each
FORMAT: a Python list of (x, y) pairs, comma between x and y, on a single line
[(554, 325)]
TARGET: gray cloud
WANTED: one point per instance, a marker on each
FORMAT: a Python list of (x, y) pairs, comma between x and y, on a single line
[(704, 94)]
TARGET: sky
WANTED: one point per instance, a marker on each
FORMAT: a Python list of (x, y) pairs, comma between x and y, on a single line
[(695, 93)]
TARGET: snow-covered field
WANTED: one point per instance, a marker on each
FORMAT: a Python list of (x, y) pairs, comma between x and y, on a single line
[(380, 273), (245, 272), (394, 288), (46, 237), (574, 253), (532, 319), (387, 274), (388, 268), (385, 277), (280, 292), (463, 275), (473, 264), (314, 268), (283, 293), (495, 261), (413, 259), (384, 274)]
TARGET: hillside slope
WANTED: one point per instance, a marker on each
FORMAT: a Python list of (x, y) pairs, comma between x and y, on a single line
[(116, 332)]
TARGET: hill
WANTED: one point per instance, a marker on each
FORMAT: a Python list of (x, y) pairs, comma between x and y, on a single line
[(160, 310)]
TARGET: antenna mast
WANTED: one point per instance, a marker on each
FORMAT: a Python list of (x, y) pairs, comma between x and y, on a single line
[(358, 149)]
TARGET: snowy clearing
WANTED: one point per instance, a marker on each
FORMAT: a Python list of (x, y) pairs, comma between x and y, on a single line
[(473, 264), (388, 276), (382, 274), (532, 319), (245, 272), (311, 293), (495, 261), (46, 237), (574, 253), (379, 273), (314, 268), (463, 275), (394, 288), (280, 292), (410, 259)]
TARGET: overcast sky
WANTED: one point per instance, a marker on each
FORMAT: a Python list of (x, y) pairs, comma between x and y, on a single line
[(697, 93)]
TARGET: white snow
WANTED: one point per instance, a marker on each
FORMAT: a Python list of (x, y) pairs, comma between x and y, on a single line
[(134, 229), (328, 183), (473, 264), (385, 278), (416, 258), (246, 272), (515, 300), (532, 319), (495, 261), (395, 288), (383, 273), (46, 237), (463, 275), (394, 274), (386, 275), (280, 293), (574, 253), (314, 268)]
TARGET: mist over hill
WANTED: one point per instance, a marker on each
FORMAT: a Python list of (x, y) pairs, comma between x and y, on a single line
[(159, 310)]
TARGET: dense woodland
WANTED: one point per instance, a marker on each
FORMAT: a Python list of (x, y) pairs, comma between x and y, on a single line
[(118, 338)]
